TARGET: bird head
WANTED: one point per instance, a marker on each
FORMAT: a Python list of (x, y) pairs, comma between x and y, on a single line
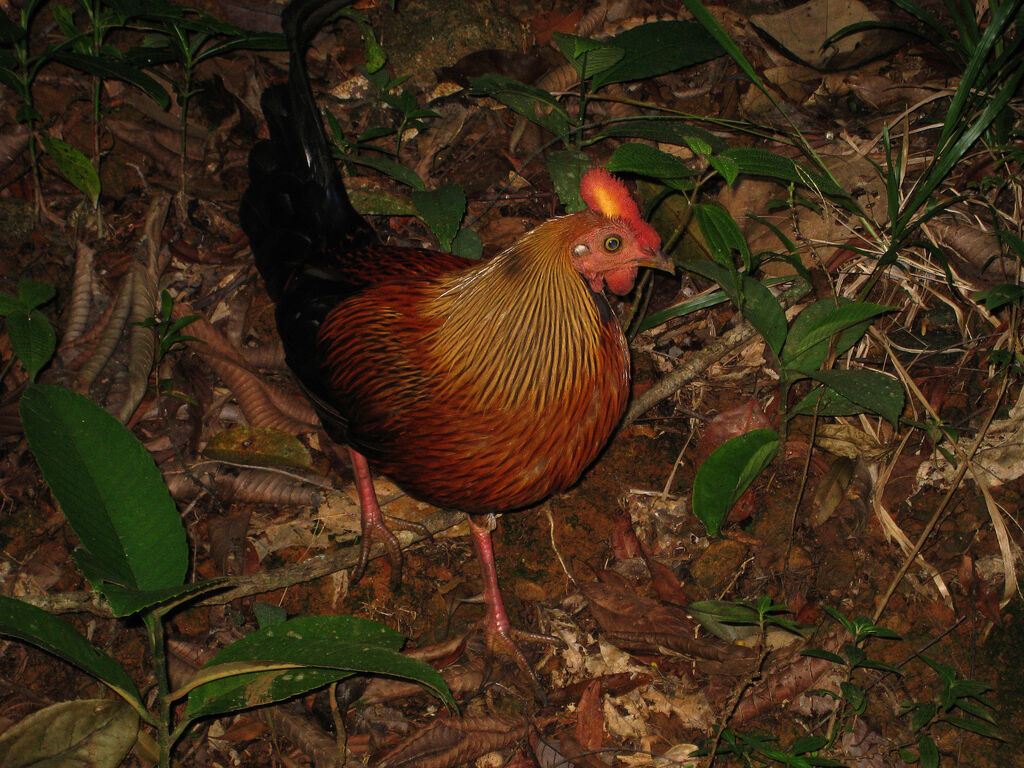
[(612, 240)]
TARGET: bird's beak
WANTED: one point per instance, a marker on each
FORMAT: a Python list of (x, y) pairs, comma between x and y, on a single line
[(658, 260)]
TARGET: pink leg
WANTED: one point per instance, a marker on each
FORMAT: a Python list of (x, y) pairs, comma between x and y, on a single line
[(373, 525), (498, 629)]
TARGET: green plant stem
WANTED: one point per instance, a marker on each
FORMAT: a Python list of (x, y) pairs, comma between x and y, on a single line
[(155, 629)]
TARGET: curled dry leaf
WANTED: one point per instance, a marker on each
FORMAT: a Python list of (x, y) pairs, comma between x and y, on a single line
[(263, 404), (446, 743), (81, 293)]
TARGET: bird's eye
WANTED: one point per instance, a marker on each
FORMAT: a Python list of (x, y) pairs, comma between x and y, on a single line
[(612, 243)]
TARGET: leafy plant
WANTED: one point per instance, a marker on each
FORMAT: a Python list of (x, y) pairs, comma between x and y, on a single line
[(737, 620), (169, 336), (959, 703), (32, 337), (188, 38), (134, 553), (84, 50)]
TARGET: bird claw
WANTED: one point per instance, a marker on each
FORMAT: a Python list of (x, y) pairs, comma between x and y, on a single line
[(377, 529), (504, 643)]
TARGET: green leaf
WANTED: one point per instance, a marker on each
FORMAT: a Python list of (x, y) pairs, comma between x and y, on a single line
[(389, 167), (442, 209), (589, 57), (999, 296), (35, 626), (9, 303), (75, 166), (854, 696), (87, 732), (922, 716), (657, 48), (808, 342), (32, 339), (726, 166), (808, 744), (726, 474), (535, 104), (928, 752), (752, 298), (112, 69), (668, 130), (729, 621), (819, 653), (763, 311), (33, 293), (979, 727), (566, 167), (327, 647), (722, 235), (762, 162), (871, 390), (468, 244), (109, 489), (649, 161)]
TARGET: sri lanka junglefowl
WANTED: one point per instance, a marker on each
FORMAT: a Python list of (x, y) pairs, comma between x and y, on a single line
[(479, 386)]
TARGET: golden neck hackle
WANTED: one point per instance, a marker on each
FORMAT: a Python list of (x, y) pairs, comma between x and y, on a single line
[(518, 330)]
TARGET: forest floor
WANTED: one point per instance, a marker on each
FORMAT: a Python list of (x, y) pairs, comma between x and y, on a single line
[(613, 567)]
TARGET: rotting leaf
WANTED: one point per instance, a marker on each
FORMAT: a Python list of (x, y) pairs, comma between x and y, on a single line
[(87, 732), (260, 447)]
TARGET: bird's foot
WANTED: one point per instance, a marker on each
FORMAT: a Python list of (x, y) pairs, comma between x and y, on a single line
[(377, 529), (504, 641)]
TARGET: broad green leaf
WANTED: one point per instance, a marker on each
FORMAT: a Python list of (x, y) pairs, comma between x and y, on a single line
[(37, 627), (535, 104), (854, 696), (33, 293), (728, 472), (979, 727), (824, 323), (923, 715), (327, 648), (10, 304), (999, 296), (762, 310), (649, 161), (762, 162), (75, 167), (722, 234), (654, 49), (389, 167), (109, 489), (468, 244), (566, 167), (928, 752), (97, 733), (820, 653), (113, 69), (729, 621), (808, 744), (726, 166), (589, 57), (668, 130), (442, 209), (871, 390), (32, 339)]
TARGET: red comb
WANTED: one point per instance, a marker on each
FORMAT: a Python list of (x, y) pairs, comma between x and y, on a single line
[(605, 194)]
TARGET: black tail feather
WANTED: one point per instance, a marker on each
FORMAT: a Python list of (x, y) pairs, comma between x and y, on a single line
[(295, 212)]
